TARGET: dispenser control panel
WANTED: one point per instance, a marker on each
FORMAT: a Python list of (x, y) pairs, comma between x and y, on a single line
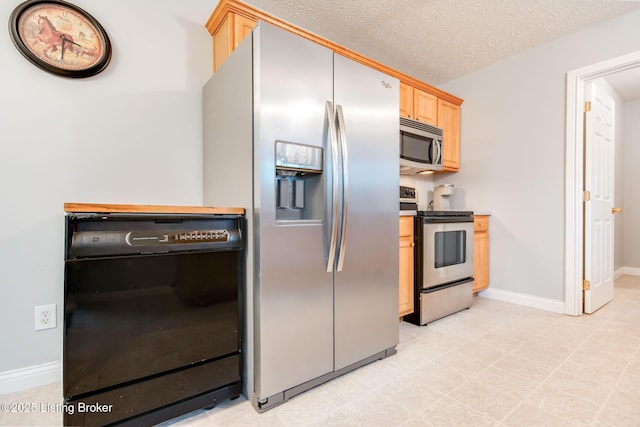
[(298, 157)]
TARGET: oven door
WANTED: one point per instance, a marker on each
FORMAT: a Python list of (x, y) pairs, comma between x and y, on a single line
[(448, 252)]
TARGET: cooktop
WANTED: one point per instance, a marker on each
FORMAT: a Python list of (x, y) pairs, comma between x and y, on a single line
[(444, 213)]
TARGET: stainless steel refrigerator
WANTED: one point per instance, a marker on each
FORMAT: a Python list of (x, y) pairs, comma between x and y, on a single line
[(307, 141)]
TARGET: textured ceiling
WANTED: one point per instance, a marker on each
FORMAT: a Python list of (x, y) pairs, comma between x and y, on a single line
[(438, 40)]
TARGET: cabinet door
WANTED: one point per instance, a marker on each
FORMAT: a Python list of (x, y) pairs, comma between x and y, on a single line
[(449, 121), (481, 253), (425, 107), (406, 266), (242, 26), (222, 42), (231, 32), (406, 100), (406, 276)]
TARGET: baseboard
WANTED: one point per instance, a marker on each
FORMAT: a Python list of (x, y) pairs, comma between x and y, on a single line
[(523, 299), (631, 271), (30, 377)]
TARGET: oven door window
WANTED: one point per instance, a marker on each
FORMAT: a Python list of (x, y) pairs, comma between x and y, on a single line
[(450, 248)]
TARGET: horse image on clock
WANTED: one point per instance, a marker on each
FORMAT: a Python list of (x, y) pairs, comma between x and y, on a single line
[(53, 40)]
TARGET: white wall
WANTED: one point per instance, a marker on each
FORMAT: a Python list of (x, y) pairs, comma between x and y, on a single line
[(424, 188), (513, 152), (631, 205), (132, 134)]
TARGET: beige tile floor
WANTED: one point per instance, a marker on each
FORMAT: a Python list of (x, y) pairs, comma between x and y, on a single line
[(496, 364)]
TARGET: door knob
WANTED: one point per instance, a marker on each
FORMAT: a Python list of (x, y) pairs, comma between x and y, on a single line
[(616, 210)]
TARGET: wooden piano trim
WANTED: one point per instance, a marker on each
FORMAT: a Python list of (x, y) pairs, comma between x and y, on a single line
[(121, 208)]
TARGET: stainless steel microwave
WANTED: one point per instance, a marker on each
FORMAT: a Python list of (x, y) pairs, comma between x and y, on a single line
[(420, 147)]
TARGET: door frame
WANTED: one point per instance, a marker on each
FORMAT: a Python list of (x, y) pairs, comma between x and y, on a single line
[(574, 171)]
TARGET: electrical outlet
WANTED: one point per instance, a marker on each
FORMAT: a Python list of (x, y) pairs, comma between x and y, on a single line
[(45, 316)]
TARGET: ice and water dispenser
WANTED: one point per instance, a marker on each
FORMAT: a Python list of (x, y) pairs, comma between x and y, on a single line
[(298, 179)]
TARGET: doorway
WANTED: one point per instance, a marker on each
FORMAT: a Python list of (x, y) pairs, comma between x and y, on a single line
[(574, 222)]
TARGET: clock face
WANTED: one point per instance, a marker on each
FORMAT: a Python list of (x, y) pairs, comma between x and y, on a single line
[(60, 38)]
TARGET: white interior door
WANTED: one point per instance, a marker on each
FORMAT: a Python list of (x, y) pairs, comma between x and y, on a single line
[(599, 181)]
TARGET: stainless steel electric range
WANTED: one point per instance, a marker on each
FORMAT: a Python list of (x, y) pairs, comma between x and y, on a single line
[(443, 264)]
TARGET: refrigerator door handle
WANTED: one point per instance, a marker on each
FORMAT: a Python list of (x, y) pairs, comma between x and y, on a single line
[(334, 178), (345, 186)]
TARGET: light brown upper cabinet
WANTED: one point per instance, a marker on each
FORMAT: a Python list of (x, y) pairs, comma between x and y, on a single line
[(425, 107), (228, 34), (406, 100), (449, 122), (418, 104)]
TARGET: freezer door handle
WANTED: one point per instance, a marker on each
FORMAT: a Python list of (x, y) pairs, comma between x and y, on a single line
[(334, 178), (345, 186)]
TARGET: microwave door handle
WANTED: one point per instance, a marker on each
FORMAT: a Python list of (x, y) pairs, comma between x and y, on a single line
[(345, 186), (333, 144), (434, 151), (437, 160)]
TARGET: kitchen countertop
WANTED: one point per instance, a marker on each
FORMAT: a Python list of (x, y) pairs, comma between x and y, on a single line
[(414, 213), (117, 208)]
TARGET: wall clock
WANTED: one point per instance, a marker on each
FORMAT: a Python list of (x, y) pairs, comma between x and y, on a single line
[(60, 38)]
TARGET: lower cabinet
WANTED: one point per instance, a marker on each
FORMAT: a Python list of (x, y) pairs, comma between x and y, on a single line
[(406, 265), (480, 253)]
